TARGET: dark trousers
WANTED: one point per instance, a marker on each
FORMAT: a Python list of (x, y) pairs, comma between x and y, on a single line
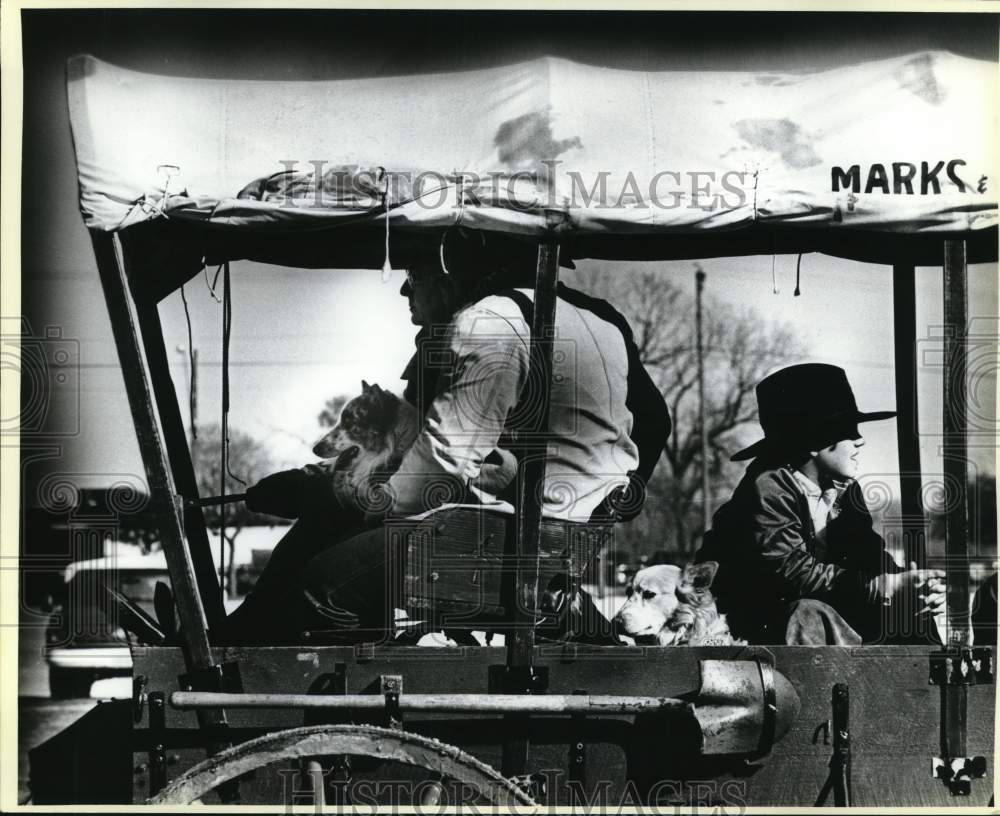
[(273, 612), (358, 582)]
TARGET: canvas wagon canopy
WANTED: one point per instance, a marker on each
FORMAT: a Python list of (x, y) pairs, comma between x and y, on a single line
[(877, 161)]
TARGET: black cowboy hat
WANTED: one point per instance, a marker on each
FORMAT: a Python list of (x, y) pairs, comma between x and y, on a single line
[(805, 406)]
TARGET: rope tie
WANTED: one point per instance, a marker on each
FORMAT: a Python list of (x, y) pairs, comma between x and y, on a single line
[(386, 266), (453, 225)]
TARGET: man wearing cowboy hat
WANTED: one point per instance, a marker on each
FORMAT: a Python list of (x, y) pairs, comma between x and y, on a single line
[(799, 561)]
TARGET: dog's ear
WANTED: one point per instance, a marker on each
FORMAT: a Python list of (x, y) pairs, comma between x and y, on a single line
[(700, 576), (365, 387)]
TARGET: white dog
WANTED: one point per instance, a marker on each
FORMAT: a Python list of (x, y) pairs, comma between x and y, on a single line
[(667, 606)]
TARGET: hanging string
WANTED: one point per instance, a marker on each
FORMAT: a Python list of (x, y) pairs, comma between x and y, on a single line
[(774, 253), (191, 363), (227, 324), (798, 275), (211, 286), (228, 318), (224, 431), (444, 266), (386, 266), (456, 223)]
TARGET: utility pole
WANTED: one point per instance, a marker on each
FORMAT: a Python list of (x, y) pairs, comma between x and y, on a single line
[(191, 368), (706, 496), (194, 400)]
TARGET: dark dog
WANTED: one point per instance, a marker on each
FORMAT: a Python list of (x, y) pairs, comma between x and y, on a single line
[(373, 433)]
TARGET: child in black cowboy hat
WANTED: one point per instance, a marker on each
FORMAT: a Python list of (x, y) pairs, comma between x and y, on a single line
[(799, 560)]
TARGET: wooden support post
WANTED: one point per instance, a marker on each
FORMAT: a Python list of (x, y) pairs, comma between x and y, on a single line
[(913, 527), (521, 640), (166, 509), (180, 461), (904, 305), (154, 458), (135, 256), (954, 696), (955, 448)]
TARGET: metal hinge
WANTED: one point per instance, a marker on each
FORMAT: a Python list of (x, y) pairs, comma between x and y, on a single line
[(392, 687), (533, 784), (965, 666), (958, 774)]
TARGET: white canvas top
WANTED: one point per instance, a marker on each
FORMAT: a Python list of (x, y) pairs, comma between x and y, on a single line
[(904, 145)]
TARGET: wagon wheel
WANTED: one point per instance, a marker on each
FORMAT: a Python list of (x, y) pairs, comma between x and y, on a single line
[(385, 744)]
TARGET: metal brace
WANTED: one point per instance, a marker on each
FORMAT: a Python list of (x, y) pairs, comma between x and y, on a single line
[(526, 679), (578, 746), (839, 779), (954, 670), (226, 678), (965, 666), (958, 774), (533, 784), (392, 687), (158, 751), (139, 683)]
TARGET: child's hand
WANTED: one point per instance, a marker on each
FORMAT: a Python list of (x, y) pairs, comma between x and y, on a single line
[(931, 590), (891, 585)]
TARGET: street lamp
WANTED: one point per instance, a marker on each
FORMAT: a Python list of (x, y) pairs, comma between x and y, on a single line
[(706, 501), (191, 369)]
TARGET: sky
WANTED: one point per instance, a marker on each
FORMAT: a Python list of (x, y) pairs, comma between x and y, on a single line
[(334, 328)]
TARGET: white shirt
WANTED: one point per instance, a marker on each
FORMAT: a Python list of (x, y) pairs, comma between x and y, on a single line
[(589, 450), (822, 505)]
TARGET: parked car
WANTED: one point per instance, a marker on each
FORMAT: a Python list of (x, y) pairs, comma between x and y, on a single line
[(84, 641)]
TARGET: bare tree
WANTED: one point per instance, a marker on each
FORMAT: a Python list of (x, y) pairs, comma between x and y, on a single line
[(330, 414), (741, 348), (248, 463)]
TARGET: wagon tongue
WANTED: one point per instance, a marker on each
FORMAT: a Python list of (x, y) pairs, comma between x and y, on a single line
[(743, 706)]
